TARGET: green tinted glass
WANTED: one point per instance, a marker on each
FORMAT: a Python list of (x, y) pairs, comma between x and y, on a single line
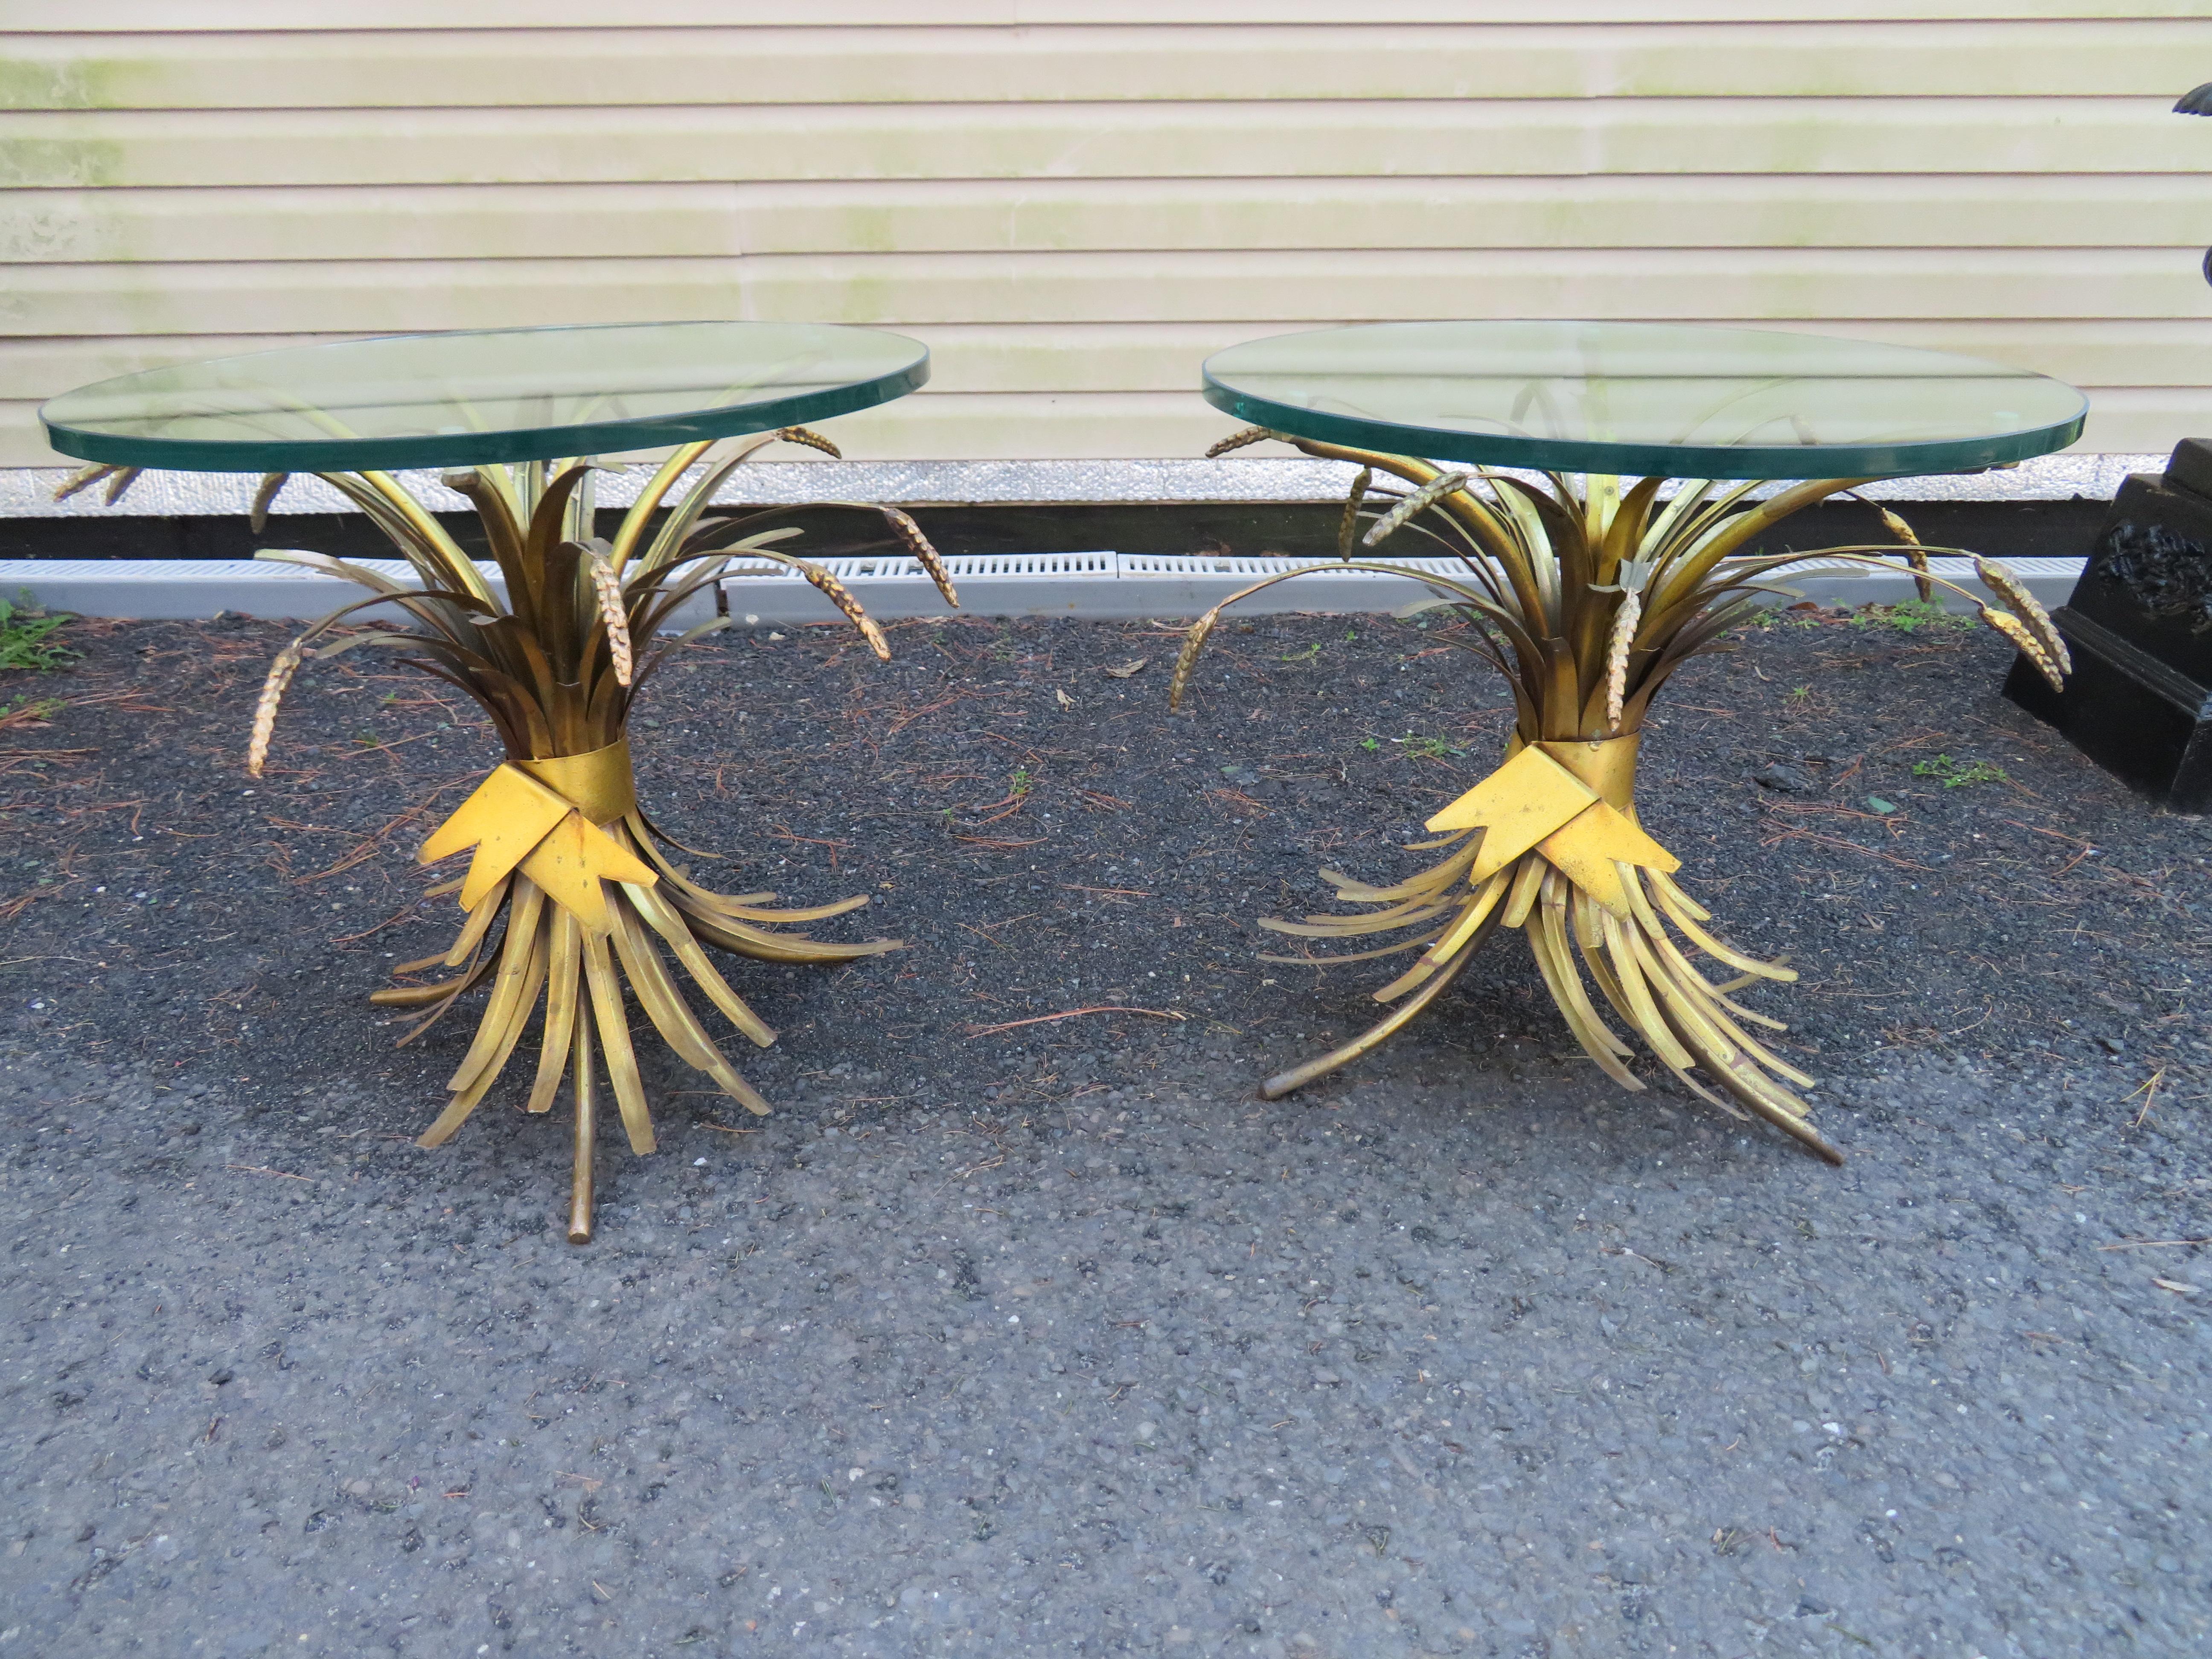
[(461, 400), (1645, 397)]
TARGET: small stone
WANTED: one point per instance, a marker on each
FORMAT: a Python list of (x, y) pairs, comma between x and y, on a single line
[(1782, 776)]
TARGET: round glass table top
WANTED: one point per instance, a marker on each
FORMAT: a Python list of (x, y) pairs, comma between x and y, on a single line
[(522, 394), (1645, 397)]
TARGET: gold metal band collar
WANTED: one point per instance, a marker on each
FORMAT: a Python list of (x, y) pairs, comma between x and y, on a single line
[(547, 819), (598, 785), (1606, 764), (1569, 804)]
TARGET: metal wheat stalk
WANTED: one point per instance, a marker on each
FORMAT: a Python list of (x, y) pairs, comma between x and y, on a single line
[(1587, 600), (569, 897)]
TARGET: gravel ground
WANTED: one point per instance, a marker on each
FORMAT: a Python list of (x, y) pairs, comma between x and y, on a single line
[(1055, 1337)]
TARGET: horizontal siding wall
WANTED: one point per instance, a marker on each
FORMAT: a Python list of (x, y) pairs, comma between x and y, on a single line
[(1075, 203)]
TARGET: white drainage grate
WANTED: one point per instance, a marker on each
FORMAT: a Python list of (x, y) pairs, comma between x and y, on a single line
[(892, 586), (1108, 586), (1101, 585)]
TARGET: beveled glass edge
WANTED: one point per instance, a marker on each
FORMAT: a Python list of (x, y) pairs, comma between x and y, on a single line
[(1665, 460), (447, 450)]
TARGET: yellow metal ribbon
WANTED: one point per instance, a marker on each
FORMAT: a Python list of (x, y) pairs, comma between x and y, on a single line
[(545, 819), (1566, 802)]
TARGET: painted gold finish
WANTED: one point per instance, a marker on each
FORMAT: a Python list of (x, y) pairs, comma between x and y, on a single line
[(1586, 599)]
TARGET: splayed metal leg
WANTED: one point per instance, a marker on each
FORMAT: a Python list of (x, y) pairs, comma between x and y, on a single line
[(587, 1115)]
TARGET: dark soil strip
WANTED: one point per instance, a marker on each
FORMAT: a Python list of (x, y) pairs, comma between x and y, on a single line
[(1948, 876)]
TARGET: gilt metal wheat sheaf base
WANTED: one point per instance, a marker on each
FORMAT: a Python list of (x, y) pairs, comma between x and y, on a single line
[(569, 896), (1586, 598)]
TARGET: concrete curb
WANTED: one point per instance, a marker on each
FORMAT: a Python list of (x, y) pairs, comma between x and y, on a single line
[(1099, 586)]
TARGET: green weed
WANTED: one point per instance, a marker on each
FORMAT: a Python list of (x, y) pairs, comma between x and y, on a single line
[(1911, 616), (1311, 654), (1428, 748), (1792, 618), (26, 636), (1956, 775)]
